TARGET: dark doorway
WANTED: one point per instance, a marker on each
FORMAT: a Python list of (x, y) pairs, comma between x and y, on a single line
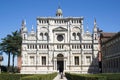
[(60, 63)]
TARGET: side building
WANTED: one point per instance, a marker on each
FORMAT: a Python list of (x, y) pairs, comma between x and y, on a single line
[(59, 43), (103, 36), (111, 53)]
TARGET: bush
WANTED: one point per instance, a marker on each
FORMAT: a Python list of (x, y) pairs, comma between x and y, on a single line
[(12, 70), (111, 76), (3, 69), (6, 76), (30, 78), (40, 77), (84, 77)]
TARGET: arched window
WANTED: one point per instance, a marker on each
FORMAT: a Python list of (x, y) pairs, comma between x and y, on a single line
[(74, 35), (95, 36), (41, 36), (46, 36), (24, 36), (78, 36)]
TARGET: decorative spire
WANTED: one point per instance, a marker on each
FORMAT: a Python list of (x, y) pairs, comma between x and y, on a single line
[(23, 23), (59, 12), (58, 5), (32, 31), (87, 27), (95, 24), (23, 27), (32, 28), (87, 31)]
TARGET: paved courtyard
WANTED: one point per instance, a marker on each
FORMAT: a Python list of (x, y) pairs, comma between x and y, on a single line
[(58, 77)]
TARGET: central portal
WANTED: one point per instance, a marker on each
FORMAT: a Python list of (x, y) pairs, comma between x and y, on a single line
[(60, 63)]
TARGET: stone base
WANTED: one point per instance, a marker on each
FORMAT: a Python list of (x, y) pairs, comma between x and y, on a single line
[(36, 72)]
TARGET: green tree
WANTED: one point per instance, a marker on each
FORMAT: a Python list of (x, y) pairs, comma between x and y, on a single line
[(6, 47), (16, 46), (11, 44)]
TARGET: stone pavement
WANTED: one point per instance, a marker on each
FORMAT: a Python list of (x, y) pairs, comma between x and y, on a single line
[(58, 77)]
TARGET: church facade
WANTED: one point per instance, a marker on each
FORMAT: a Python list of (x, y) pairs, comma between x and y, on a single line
[(59, 43)]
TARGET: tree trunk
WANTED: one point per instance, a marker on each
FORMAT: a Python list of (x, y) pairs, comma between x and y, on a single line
[(19, 63), (13, 63), (8, 68)]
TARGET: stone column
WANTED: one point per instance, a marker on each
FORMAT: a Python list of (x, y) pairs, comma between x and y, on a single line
[(55, 65), (64, 64)]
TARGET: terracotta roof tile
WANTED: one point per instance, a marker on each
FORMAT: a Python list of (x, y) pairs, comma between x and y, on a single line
[(107, 34)]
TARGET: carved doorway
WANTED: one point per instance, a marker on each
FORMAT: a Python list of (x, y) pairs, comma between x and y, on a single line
[(60, 63)]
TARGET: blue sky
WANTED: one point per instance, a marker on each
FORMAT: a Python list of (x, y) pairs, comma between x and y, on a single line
[(12, 12)]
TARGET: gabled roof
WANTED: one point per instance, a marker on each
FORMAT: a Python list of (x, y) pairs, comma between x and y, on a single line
[(59, 29)]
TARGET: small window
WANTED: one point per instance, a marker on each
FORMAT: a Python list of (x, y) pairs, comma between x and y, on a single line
[(78, 34), (41, 34), (39, 46), (84, 46), (95, 36), (43, 60), (57, 47), (76, 59), (88, 59), (80, 46), (28, 46), (74, 34), (47, 46), (46, 34), (42, 46), (24, 36), (32, 60)]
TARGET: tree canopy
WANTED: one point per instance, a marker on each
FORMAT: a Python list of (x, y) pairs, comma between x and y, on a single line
[(11, 45)]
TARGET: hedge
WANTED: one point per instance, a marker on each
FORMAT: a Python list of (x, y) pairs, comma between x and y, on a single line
[(84, 77), (27, 76), (110, 76), (105, 76), (40, 77), (12, 76)]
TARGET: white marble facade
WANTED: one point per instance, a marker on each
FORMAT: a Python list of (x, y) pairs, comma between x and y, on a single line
[(59, 42)]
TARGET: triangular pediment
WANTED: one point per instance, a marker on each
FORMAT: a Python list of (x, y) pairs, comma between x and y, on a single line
[(59, 29)]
